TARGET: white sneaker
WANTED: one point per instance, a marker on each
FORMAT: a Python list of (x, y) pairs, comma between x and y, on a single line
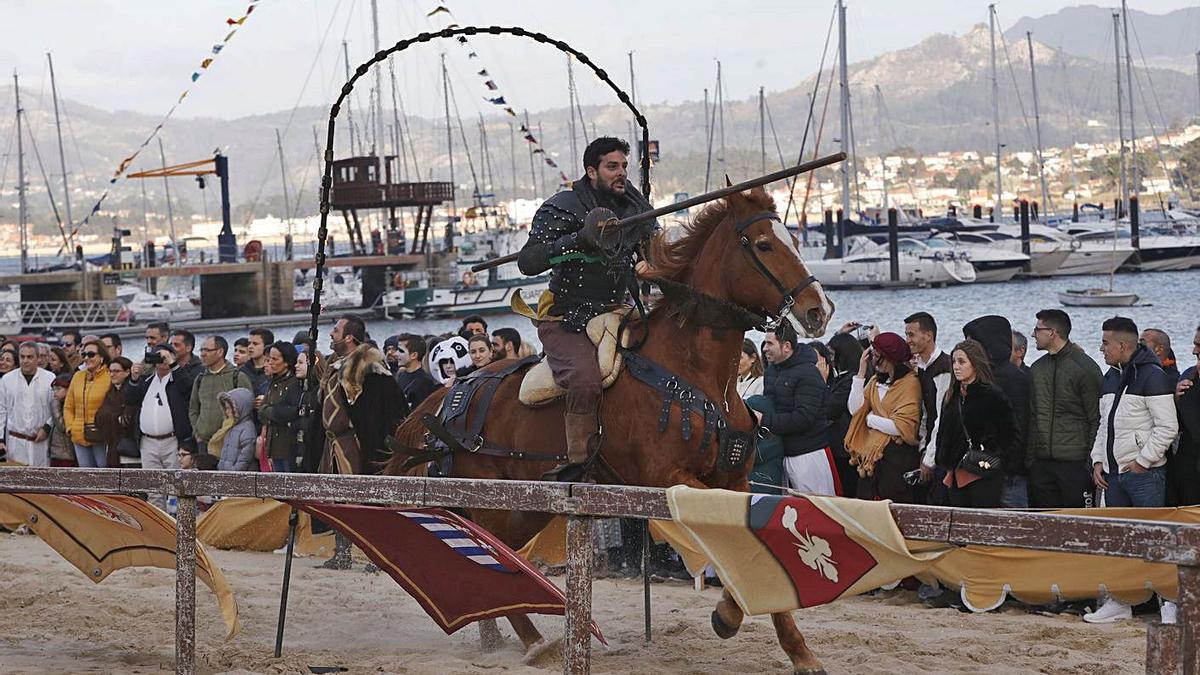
[(1111, 611), (1167, 612)]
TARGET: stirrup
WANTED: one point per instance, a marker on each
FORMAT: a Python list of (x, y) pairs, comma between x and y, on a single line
[(569, 472)]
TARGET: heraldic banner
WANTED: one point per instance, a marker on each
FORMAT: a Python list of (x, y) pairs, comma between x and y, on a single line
[(457, 571), (100, 534), (776, 553)]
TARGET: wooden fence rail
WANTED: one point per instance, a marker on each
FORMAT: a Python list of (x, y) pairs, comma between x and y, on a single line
[(1170, 648)]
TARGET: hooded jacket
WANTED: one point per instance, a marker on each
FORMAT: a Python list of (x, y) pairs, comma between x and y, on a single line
[(1137, 414), (1064, 405), (237, 450), (281, 407), (995, 334), (798, 392), (204, 410)]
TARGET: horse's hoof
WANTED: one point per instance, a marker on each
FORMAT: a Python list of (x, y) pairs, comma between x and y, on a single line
[(722, 629), (539, 649)]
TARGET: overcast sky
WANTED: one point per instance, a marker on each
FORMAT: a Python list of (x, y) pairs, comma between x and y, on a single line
[(138, 54)]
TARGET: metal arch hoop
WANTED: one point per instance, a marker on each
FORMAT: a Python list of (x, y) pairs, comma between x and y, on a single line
[(327, 177)]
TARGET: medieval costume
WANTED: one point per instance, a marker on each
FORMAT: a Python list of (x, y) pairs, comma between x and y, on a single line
[(26, 408), (362, 407), (584, 283)]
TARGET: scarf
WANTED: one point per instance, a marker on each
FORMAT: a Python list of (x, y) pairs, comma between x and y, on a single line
[(902, 405)]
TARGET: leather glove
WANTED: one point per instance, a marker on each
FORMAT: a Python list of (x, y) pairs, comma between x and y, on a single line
[(598, 233)]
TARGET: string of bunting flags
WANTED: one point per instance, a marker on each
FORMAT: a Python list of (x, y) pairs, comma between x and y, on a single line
[(233, 25), (499, 100)]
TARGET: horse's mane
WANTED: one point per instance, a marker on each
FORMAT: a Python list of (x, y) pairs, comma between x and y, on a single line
[(672, 259)]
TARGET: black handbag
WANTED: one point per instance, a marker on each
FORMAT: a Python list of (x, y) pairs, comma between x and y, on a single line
[(977, 462)]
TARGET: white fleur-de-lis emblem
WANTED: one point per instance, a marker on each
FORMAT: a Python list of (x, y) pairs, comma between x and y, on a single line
[(813, 551)]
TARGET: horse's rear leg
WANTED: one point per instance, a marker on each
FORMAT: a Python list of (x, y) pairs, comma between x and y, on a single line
[(804, 662)]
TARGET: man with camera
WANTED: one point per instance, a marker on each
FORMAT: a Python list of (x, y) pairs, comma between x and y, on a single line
[(162, 419)]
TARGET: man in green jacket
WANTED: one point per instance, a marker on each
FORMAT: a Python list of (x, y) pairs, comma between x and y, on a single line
[(218, 377), (1064, 415)]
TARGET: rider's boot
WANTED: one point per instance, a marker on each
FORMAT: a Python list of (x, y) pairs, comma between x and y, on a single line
[(583, 441)]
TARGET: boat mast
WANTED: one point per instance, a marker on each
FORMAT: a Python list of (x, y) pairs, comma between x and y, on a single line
[(349, 108), (708, 134), (449, 155), (377, 131), (22, 206), (170, 213), (997, 208), (62, 160), (1037, 125), (1134, 179), (720, 96), (533, 181), (512, 158), (883, 153), (762, 130), (287, 204), (844, 83), (571, 111), (1124, 186)]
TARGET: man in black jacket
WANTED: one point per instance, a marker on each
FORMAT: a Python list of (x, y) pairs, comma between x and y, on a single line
[(995, 334), (415, 382), (795, 387), (585, 283), (1183, 465)]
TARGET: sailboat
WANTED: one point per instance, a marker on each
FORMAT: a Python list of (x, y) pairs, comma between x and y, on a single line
[(1099, 297)]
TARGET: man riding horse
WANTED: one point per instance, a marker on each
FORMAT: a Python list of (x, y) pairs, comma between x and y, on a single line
[(585, 283)]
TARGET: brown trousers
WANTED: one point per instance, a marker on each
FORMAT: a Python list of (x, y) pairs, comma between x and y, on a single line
[(572, 359)]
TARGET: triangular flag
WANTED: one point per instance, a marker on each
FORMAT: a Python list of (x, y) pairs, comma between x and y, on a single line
[(472, 55), (462, 39), (483, 73), (195, 76), (510, 111), (440, 9), (490, 85), (235, 22), (205, 63), (499, 100), (217, 49)]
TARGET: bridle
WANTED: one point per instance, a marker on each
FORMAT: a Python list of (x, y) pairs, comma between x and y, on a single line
[(788, 300)]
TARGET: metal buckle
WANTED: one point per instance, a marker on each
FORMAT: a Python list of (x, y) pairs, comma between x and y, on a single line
[(672, 384), (687, 395), (478, 444)]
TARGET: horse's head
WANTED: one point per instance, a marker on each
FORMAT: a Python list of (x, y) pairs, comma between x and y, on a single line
[(738, 249)]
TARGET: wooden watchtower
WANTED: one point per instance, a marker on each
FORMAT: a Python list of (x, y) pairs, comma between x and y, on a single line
[(358, 183)]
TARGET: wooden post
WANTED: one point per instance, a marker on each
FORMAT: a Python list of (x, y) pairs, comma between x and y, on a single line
[(1189, 621), (185, 585), (577, 640)]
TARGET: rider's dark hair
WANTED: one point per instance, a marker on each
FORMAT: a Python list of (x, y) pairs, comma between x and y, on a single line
[(601, 147)]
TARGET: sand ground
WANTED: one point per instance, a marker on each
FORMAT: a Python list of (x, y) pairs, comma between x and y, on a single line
[(53, 620)]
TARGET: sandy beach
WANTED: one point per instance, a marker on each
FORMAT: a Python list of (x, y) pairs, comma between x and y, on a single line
[(55, 621)]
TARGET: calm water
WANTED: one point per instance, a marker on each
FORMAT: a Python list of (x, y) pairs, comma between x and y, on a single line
[(1166, 302)]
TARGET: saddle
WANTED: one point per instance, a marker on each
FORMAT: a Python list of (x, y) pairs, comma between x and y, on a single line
[(539, 389)]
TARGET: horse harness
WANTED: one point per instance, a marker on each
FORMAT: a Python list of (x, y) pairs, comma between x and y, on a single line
[(789, 297), (453, 430)]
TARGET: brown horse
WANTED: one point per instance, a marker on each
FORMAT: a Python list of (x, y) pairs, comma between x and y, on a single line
[(736, 251)]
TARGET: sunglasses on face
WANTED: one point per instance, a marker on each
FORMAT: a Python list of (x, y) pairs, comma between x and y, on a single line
[(90, 355)]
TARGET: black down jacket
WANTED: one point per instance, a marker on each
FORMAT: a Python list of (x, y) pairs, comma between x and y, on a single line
[(995, 333), (798, 392)]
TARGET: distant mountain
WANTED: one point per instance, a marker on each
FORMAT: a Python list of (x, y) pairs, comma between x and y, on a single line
[(936, 96), (1166, 40)]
